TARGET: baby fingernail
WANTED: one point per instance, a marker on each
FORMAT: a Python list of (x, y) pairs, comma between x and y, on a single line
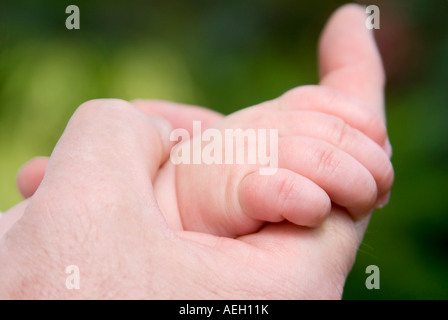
[(382, 201), (388, 148)]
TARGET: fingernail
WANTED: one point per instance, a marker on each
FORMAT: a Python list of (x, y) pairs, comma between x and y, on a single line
[(382, 201), (388, 148)]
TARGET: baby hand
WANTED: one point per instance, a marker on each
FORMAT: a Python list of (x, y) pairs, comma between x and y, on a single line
[(331, 149)]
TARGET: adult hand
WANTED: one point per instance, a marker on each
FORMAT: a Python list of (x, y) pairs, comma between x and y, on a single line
[(96, 209)]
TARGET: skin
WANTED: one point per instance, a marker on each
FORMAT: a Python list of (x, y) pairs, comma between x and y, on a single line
[(323, 159), (112, 215)]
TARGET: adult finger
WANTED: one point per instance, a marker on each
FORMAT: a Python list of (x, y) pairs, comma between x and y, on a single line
[(31, 173), (349, 59), (30, 176), (323, 255)]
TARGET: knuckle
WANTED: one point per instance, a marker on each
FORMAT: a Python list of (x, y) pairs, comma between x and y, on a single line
[(377, 128), (256, 119), (287, 191), (339, 131), (91, 105), (298, 94), (307, 89), (285, 188), (388, 176), (108, 106), (115, 113), (327, 160)]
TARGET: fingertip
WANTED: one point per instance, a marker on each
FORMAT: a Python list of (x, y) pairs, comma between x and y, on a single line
[(336, 28), (387, 147), (252, 196), (349, 59), (284, 196), (382, 201), (364, 201), (30, 175), (317, 208), (351, 9)]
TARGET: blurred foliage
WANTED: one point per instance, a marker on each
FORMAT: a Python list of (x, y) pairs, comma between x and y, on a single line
[(227, 55)]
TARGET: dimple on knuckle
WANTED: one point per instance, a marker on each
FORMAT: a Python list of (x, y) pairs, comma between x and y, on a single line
[(338, 131), (287, 192), (327, 160)]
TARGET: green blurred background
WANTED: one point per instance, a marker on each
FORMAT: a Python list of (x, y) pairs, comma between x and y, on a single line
[(228, 55)]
